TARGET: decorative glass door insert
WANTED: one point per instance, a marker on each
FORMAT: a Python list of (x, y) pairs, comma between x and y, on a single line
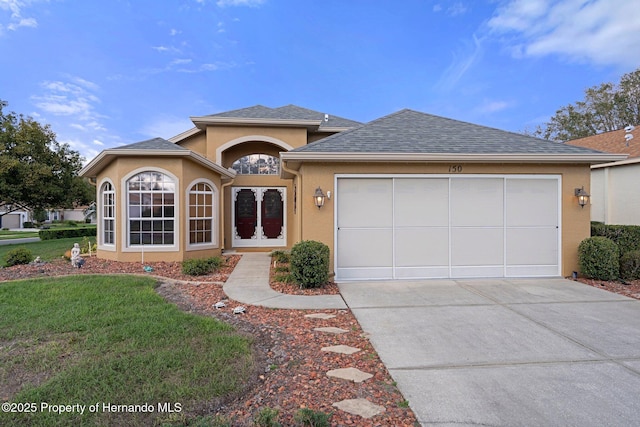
[(258, 216)]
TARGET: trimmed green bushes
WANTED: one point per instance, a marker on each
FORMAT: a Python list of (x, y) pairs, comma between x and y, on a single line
[(627, 237), (18, 256), (66, 233), (310, 263), (630, 265), (599, 258), (201, 266)]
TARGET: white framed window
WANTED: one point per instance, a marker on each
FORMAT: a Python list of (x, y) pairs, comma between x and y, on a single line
[(257, 164), (201, 214), (108, 197), (151, 209)]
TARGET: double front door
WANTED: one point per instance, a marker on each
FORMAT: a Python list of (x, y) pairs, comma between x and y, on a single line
[(258, 216)]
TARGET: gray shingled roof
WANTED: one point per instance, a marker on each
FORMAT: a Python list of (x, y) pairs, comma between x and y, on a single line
[(288, 112), (152, 144), (409, 131)]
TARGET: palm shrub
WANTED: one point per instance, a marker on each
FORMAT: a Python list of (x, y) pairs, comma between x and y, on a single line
[(598, 258), (310, 263), (630, 265)]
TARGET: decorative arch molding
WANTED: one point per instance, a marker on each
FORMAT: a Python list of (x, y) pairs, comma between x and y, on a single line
[(250, 138)]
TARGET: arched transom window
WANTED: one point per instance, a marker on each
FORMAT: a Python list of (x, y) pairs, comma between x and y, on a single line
[(151, 209), (257, 164), (108, 214), (201, 214)]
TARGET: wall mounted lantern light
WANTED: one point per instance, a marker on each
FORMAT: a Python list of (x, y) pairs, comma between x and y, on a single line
[(583, 196), (318, 198)]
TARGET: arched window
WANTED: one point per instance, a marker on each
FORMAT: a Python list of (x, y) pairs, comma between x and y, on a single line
[(151, 209), (257, 164), (201, 230), (108, 214)]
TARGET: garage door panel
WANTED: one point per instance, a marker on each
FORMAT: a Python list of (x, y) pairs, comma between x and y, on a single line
[(422, 247), (477, 202), (477, 246), (365, 248), (421, 202), (532, 246), (532, 202), (365, 203), (447, 226)]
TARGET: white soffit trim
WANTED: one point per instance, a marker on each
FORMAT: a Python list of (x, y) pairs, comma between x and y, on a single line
[(105, 157), (631, 161), (184, 135), (202, 121), (448, 157)]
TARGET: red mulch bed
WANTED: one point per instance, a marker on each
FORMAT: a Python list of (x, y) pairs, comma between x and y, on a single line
[(630, 289), (290, 366)]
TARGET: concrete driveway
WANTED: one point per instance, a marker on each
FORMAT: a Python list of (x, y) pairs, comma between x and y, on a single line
[(506, 352)]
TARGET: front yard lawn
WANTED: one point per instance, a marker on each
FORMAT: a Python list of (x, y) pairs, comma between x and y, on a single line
[(105, 341), (47, 250)]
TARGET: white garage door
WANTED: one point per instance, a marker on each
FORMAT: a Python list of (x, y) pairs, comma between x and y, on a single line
[(395, 227)]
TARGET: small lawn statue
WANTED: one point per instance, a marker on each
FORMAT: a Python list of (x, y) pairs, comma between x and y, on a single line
[(76, 259)]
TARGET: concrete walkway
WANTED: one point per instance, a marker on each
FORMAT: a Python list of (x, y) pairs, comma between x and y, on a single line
[(249, 284)]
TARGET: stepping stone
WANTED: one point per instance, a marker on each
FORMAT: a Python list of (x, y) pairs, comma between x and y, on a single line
[(342, 349), (320, 316), (361, 407), (349, 374), (331, 330)]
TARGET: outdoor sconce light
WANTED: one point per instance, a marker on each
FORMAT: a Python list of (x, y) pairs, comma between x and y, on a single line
[(583, 196), (318, 197)]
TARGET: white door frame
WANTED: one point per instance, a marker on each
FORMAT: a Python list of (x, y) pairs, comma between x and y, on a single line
[(258, 239)]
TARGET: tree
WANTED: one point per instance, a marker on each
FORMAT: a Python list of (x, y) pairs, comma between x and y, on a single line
[(37, 172), (605, 108)]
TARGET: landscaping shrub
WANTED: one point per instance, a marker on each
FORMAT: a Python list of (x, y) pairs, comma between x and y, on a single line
[(627, 237), (66, 233), (310, 263), (28, 224), (201, 266), (598, 258), (267, 417), (311, 418), (18, 256), (281, 256), (630, 265)]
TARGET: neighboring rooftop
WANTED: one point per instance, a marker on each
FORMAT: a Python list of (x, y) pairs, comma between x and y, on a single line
[(611, 142), (409, 131), (288, 112)]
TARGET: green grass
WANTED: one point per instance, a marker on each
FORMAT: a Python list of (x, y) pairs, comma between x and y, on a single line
[(95, 339), (7, 234), (47, 250)]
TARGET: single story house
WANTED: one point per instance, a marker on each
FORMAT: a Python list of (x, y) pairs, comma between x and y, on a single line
[(615, 194), (409, 195)]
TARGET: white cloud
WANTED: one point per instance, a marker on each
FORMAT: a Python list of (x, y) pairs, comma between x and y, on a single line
[(166, 126), (461, 63), (72, 98), (492, 106), (16, 18), (457, 8), (605, 32), (251, 3)]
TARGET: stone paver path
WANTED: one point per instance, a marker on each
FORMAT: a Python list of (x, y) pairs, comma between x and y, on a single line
[(361, 407)]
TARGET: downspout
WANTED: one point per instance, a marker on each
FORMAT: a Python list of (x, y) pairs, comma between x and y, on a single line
[(222, 209), (296, 188)]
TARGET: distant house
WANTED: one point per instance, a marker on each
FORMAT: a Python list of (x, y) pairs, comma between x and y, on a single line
[(615, 186), (408, 195)]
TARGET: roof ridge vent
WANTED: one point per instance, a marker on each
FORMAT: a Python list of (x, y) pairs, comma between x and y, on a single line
[(326, 117)]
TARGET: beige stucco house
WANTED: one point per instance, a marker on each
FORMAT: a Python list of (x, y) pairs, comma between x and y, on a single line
[(409, 195)]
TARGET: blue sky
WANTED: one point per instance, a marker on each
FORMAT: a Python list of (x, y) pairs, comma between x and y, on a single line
[(107, 73)]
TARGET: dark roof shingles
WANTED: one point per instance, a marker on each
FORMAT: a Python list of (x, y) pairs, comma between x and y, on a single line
[(152, 144), (409, 131)]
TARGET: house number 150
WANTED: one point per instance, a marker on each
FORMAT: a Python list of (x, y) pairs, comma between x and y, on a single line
[(455, 169)]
